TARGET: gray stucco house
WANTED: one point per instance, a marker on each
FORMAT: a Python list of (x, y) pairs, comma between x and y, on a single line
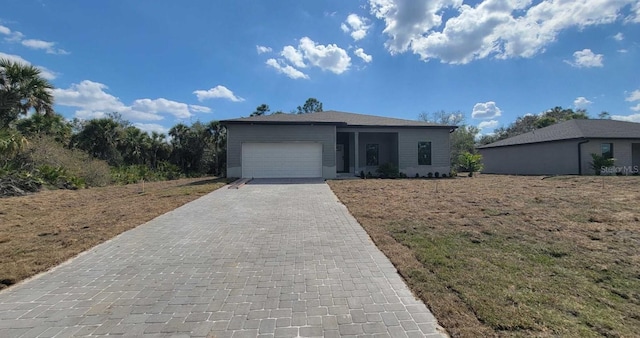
[(565, 148), (330, 143)]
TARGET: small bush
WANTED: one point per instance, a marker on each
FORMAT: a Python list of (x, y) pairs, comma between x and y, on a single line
[(444, 175), (75, 165), (430, 175), (402, 175), (369, 175), (417, 175), (362, 174), (437, 174), (599, 161), (387, 170)]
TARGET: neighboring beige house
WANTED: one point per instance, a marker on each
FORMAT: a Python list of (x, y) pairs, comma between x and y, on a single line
[(565, 148), (330, 143)]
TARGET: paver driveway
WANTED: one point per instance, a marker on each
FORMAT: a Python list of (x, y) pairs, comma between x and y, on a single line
[(268, 260)]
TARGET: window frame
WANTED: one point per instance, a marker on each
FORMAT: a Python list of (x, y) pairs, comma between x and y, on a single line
[(422, 159), (609, 153), (371, 147)]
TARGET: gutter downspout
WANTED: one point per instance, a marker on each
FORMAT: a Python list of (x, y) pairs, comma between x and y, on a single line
[(580, 155)]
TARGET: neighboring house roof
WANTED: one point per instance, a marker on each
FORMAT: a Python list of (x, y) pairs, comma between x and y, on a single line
[(573, 129), (334, 118)]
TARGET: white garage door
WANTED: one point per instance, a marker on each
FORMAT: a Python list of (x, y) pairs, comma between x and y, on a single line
[(273, 160)]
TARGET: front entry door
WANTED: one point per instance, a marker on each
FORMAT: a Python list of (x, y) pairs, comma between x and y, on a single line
[(339, 158)]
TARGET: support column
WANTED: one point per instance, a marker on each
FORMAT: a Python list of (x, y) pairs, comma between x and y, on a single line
[(356, 154)]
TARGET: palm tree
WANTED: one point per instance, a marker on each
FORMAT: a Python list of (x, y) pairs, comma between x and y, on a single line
[(22, 89)]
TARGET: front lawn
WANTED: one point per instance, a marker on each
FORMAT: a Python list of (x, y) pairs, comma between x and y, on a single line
[(512, 256)]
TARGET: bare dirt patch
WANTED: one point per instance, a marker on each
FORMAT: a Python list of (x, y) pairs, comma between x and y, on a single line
[(512, 256), (42, 230)]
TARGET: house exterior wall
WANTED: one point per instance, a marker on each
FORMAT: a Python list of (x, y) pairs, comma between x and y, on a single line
[(622, 152), (407, 149), (408, 140), (551, 158), (238, 134), (387, 149)]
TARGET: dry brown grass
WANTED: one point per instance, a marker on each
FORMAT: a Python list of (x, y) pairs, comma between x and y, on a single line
[(42, 230), (512, 256)]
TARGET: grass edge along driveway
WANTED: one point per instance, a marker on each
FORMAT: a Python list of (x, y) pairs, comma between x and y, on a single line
[(511, 256)]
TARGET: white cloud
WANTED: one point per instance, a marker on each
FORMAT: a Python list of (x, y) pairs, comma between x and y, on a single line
[(263, 49), (151, 127), (492, 124), (633, 96), (308, 53), (619, 36), (486, 110), (15, 37), (585, 59), (287, 70), (329, 57), (217, 92), (629, 118), (364, 56), (45, 45), (93, 101), (500, 28), (294, 56), (622, 51), (177, 109), (44, 72), (199, 109), (356, 26), (581, 102)]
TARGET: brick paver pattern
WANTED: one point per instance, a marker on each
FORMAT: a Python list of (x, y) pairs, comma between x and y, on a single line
[(266, 260)]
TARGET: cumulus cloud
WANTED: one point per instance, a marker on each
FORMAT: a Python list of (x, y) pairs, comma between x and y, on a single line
[(294, 56), (581, 102), (92, 101), (151, 127), (500, 28), (329, 57), (585, 59), (263, 49), (178, 109), (364, 56), (15, 37), (492, 124), (486, 110), (217, 92), (49, 47), (286, 69), (44, 72), (628, 118), (619, 36), (356, 26), (310, 54), (633, 97)]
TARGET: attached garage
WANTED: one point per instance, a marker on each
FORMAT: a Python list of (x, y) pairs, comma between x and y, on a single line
[(281, 160)]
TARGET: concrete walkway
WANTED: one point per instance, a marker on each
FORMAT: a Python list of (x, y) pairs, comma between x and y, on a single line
[(267, 260)]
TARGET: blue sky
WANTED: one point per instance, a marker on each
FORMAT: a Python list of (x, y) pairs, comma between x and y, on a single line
[(163, 62)]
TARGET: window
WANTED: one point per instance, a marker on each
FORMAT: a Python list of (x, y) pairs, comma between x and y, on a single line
[(372, 154), (607, 150), (424, 153)]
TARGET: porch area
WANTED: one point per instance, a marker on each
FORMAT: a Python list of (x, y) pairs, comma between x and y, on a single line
[(364, 151)]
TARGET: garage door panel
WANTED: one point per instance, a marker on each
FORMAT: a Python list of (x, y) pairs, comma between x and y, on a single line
[(281, 160)]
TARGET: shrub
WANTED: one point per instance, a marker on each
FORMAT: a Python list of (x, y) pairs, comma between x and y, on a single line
[(417, 175), (75, 165), (437, 174), (599, 161), (471, 162), (444, 175), (430, 175), (387, 170), (402, 175), (362, 174)]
